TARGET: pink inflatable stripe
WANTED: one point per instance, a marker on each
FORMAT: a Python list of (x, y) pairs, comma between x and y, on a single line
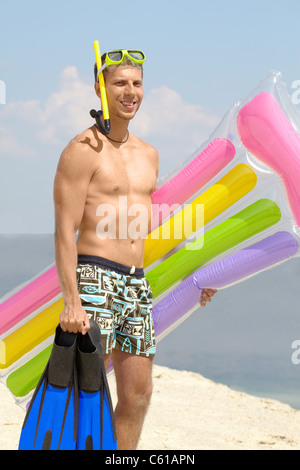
[(191, 178), (267, 133), (28, 299)]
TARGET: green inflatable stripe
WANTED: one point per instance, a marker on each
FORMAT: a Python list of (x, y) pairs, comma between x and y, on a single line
[(243, 225), (23, 380)]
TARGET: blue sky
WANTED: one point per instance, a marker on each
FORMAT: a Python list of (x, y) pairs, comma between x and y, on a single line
[(201, 57)]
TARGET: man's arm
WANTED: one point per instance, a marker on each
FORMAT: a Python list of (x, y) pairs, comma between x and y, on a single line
[(70, 191)]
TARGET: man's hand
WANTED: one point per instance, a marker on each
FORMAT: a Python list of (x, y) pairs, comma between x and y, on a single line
[(74, 319), (206, 296)]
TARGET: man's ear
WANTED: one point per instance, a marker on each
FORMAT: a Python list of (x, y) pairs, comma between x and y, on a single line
[(97, 89)]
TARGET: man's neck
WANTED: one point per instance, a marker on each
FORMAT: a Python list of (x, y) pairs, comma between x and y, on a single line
[(119, 129)]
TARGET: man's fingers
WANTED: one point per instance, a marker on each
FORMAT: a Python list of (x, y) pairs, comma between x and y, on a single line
[(210, 292), (86, 326), (206, 296)]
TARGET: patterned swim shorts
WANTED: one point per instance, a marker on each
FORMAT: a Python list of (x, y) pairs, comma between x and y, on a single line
[(120, 302)]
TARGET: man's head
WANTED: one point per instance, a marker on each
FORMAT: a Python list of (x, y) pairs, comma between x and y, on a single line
[(124, 83)]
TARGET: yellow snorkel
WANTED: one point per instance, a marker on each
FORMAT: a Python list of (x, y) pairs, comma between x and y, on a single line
[(104, 112)]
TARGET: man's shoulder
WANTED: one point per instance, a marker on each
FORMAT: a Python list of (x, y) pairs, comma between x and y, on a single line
[(80, 149), (85, 141), (146, 146), (84, 144)]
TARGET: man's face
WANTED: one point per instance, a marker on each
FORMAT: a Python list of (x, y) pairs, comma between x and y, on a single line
[(124, 89)]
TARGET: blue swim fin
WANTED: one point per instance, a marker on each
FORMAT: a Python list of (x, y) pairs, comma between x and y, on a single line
[(51, 422), (71, 408), (96, 425)]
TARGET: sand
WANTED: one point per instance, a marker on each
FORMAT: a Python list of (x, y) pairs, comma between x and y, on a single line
[(190, 412)]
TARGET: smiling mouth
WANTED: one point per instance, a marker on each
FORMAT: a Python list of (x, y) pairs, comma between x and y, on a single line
[(128, 104)]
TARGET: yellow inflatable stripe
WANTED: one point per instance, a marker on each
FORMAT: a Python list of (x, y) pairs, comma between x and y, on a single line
[(215, 200), (30, 335)]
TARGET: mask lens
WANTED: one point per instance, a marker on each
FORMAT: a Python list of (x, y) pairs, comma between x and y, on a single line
[(115, 56), (137, 55)]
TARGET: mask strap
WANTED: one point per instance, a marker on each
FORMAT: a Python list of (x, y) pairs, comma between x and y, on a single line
[(101, 69)]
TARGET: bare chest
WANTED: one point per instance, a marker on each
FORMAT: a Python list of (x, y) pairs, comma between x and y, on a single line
[(118, 175)]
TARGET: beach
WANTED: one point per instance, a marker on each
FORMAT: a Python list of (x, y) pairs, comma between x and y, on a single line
[(191, 412)]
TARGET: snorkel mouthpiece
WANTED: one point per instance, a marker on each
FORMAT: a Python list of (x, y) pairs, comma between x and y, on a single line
[(107, 125), (97, 115)]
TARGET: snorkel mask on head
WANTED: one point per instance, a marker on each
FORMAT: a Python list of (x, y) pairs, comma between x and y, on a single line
[(117, 57), (111, 58)]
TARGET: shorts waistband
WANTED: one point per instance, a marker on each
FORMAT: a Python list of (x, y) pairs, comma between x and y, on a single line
[(113, 265)]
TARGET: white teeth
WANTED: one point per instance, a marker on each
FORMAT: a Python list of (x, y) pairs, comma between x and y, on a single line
[(128, 104)]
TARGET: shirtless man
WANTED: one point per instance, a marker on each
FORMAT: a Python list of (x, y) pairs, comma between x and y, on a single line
[(102, 277)]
